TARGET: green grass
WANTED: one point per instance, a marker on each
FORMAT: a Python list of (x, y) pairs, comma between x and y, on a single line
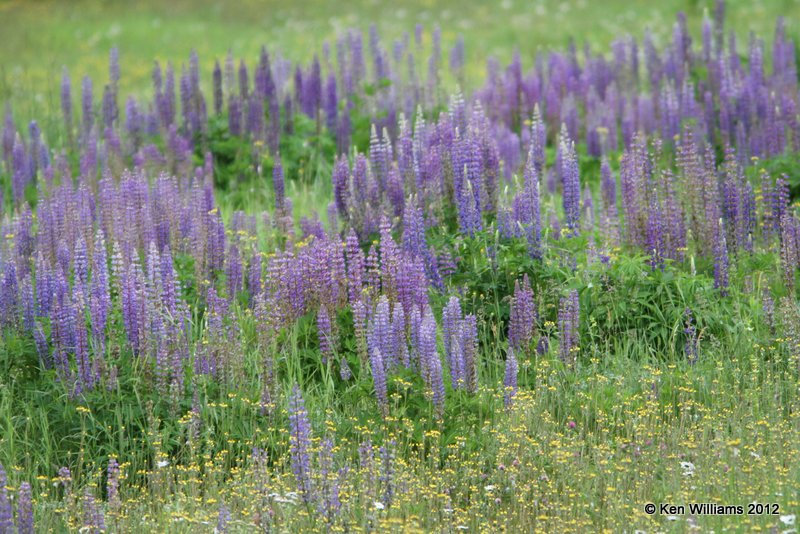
[(581, 449)]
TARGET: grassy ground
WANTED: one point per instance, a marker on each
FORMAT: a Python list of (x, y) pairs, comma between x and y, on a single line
[(41, 37), (580, 450)]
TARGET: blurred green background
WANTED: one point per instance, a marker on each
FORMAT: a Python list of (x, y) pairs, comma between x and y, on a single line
[(40, 37)]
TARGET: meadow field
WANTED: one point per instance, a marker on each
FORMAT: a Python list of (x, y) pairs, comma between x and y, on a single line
[(399, 267)]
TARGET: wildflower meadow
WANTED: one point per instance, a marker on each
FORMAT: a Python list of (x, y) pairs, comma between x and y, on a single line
[(411, 275)]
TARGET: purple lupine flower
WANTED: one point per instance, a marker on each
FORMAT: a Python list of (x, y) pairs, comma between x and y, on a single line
[(87, 102), (569, 326), (331, 103), (388, 454), (300, 443), (255, 118), (6, 513), (34, 148), (9, 294), (467, 186), (469, 348), (457, 368), (93, 520), (451, 319), (24, 509), (27, 304), (379, 379), (254, 277), (776, 200), (461, 345), (9, 134), (20, 177), (312, 89), (355, 267), (223, 518), (108, 108), (543, 345), (80, 265), (312, 227), (133, 306), (394, 190), (457, 58), (522, 320), (380, 336), (244, 81), (447, 264), (528, 204), (217, 88), (430, 364), (134, 122), (325, 334), (411, 283), (721, 261), (538, 141), (42, 347), (234, 272), (388, 264), (414, 230), (113, 67), (44, 286), (360, 329), (235, 116), (112, 485), (768, 307), (86, 372), (378, 158), (570, 177), (510, 379), (333, 221), (341, 186), (66, 100), (655, 234), (169, 285), (64, 479), (401, 355), (608, 191), (344, 369)]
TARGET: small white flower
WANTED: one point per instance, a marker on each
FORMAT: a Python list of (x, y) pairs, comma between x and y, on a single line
[(162, 464), (755, 455), (378, 505), (462, 527), (688, 468), (672, 518), (788, 519), (488, 488)]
